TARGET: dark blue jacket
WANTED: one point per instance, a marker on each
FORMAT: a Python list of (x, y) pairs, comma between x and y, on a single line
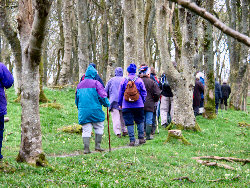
[(6, 81), (217, 90)]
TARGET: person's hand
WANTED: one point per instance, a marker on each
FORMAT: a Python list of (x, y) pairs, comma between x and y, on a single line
[(120, 107)]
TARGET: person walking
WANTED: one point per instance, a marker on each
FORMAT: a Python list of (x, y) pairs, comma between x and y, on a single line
[(225, 90), (90, 96), (198, 90), (132, 95), (157, 104), (167, 106), (6, 81), (112, 89), (218, 95), (153, 95), (97, 77)]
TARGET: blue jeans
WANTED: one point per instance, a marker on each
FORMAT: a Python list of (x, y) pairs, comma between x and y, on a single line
[(1, 134), (148, 118), (131, 133)]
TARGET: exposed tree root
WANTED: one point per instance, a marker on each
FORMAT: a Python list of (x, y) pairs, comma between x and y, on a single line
[(184, 178), (52, 105), (177, 135), (224, 179), (208, 163), (229, 159)]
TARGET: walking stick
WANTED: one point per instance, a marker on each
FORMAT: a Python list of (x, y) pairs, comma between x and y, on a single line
[(108, 129)]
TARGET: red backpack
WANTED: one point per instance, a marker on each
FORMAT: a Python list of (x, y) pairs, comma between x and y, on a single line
[(131, 93)]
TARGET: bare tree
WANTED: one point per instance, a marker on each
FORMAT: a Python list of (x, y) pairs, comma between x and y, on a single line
[(182, 81), (32, 21)]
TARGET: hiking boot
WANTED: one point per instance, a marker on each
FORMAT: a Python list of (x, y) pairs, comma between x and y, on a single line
[(131, 144), (86, 141), (142, 141), (216, 111), (226, 108), (124, 134), (98, 140), (119, 135), (222, 106)]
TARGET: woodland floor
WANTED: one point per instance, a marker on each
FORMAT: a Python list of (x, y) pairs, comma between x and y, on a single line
[(153, 164)]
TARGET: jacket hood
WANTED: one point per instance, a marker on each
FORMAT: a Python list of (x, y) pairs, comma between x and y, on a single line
[(118, 71), (91, 72)]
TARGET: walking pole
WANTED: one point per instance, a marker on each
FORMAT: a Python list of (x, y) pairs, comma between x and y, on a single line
[(108, 129)]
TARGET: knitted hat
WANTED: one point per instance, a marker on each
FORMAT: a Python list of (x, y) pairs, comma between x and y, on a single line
[(131, 68), (93, 65)]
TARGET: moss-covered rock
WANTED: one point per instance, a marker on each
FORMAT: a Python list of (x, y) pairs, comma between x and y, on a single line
[(52, 105), (71, 129)]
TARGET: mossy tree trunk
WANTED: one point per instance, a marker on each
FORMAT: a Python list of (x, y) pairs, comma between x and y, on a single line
[(239, 85), (32, 21), (42, 96), (181, 80), (209, 95)]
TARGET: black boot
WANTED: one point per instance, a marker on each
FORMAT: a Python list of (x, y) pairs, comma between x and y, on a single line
[(1, 140), (98, 141), (86, 141), (148, 131)]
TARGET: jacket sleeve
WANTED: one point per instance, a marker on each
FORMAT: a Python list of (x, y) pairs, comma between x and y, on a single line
[(143, 91), (201, 88), (6, 77), (98, 78), (121, 92), (76, 99), (156, 92), (102, 94), (107, 88)]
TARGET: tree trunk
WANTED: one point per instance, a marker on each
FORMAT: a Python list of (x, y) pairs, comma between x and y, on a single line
[(115, 28), (83, 31), (64, 74), (32, 20), (180, 82), (14, 42), (129, 33), (239, 85), (209, 95), (148, 13), (140, 32), (105, 43)]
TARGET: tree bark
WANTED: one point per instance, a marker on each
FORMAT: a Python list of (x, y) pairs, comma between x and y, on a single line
[(180, 82), (239, 73), (140, 32), (32, 20), (64, 74), (14, 42), (129, 33), (115, 29), (214, 21), (83, 30), (209, 95)]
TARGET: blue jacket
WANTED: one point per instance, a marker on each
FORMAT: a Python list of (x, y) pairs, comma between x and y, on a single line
[(90, 96), (6, 81), (217, 91)]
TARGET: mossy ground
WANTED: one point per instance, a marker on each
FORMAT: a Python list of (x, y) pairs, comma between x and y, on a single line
[(153, 164)]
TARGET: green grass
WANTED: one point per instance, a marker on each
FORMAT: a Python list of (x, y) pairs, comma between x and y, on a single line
[(152, 165)]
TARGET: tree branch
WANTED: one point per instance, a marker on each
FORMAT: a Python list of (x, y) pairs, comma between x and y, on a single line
[(214, 21)]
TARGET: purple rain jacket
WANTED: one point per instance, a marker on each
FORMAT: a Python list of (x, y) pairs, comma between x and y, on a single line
[(6, 81), (112, 88), (141, 88)]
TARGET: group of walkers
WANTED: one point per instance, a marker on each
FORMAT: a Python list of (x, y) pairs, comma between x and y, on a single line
[(133, 100), (222, 94), (138, 99)]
